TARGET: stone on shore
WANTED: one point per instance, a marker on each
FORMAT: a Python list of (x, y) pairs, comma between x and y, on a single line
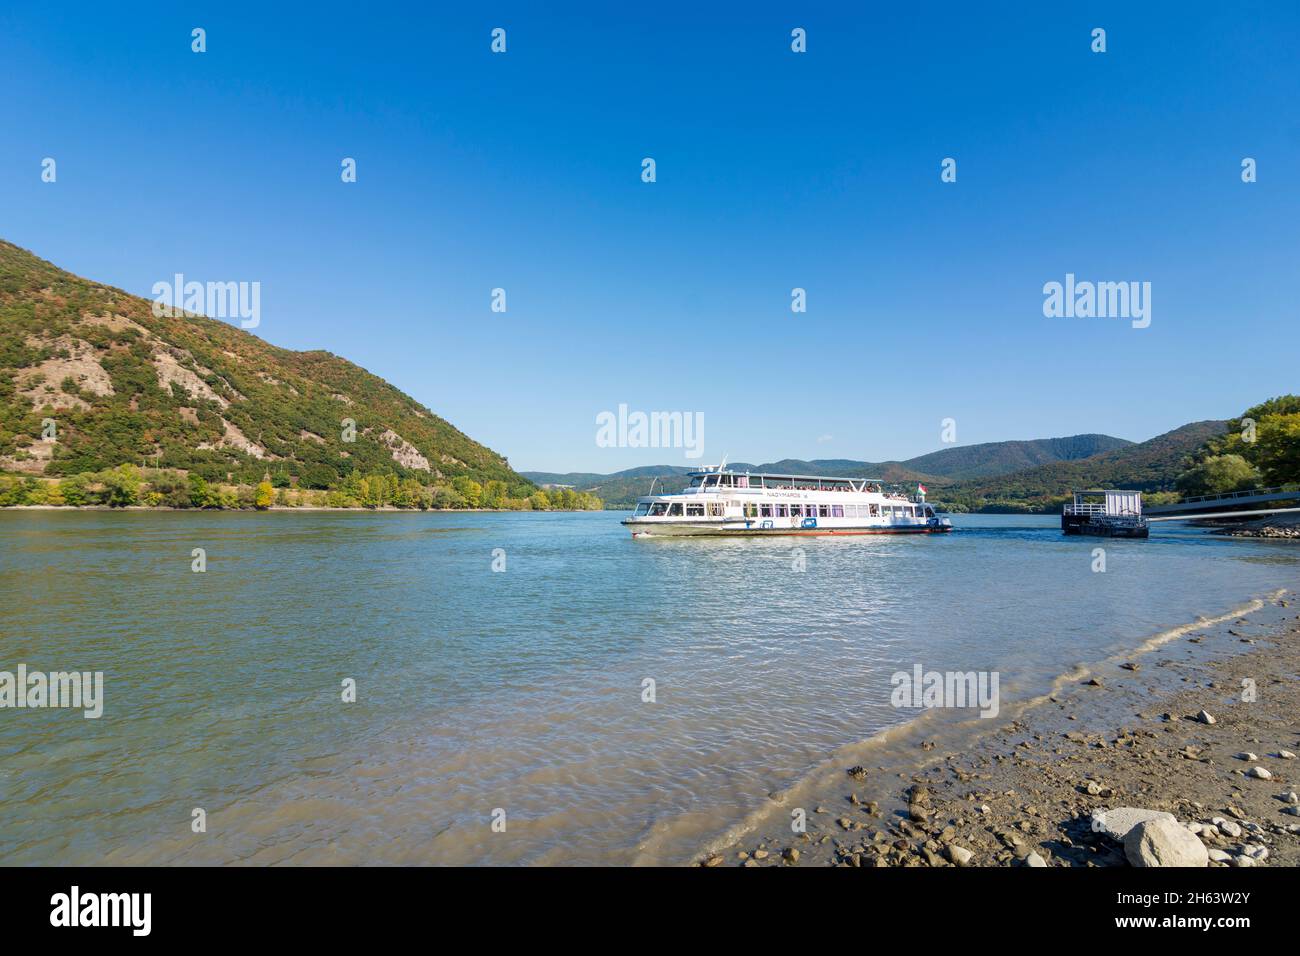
[(1259, 773), (1227, 826), (1117, 823), (959, 855), (1160, 842), (1206, 717)]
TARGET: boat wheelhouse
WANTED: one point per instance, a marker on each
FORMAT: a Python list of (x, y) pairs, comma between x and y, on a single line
[(722, 502)]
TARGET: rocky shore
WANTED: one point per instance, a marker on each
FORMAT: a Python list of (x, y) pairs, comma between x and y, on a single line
[(1270, 526), (1200, 770)]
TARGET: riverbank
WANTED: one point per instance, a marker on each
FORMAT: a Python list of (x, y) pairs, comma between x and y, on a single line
[(1269, 526), (1206, 737)]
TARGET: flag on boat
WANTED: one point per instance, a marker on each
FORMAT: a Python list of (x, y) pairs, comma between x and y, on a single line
[(920, 488)]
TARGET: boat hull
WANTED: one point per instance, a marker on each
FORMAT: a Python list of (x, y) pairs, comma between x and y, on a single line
[(656, 529), (1106, 531)]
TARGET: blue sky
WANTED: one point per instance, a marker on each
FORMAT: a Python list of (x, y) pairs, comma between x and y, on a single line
[(775, 170)]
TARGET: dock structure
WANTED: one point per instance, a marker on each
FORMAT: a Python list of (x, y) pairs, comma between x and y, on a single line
[(1117, 515)]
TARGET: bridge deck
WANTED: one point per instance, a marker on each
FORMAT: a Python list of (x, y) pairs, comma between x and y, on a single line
[(1232, 499)]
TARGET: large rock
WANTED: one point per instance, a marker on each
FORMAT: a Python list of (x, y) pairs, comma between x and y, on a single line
[(1164, 843), (1117, 823), (959, 855)]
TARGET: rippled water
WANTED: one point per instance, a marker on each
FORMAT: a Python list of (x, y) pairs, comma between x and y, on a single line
[(518, 690)]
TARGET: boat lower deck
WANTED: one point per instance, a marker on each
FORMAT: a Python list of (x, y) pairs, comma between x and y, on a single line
[(665, 529)]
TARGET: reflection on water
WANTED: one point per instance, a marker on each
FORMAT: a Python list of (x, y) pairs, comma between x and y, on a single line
[(520, 690)]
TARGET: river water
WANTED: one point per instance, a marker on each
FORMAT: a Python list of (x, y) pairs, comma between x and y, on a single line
[(506, 716)]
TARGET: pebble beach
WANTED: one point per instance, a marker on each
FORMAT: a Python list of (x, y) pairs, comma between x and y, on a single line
[(1168, 759)]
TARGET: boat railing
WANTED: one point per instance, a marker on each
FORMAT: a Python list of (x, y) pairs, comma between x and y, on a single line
[(1085, 508)]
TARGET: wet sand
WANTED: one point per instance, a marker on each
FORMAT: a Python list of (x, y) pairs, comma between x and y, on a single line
[(1125, 733)]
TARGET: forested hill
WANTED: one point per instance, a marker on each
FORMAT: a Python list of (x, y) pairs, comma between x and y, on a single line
[(123, 385), (1153, 465), (991, 459)]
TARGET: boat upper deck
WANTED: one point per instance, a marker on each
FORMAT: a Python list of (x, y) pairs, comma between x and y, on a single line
[(757, 481)]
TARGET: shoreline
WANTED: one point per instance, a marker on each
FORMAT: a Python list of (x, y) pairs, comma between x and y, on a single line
[(1119, 733)]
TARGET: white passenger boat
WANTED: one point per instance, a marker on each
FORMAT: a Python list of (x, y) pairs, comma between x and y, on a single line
[(722, 502)]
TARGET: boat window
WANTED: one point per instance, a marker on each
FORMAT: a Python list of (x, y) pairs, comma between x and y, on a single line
[(875, 510), (642, 509), (765, 511), (658, 509), (716, 509), (850, 511), (695, 482), (929, 512), (675, 510), (837, 511), (796, 511), (780, 511), (823, 511), (751, 510), (695, 510), (734, 503)]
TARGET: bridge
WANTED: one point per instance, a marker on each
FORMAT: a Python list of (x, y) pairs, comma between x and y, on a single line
[(1211, 506)]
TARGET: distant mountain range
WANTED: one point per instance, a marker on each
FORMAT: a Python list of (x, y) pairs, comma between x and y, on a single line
[(998, 476), (122, 384)]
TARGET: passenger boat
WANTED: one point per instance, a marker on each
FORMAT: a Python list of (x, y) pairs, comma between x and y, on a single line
[(722, 502)]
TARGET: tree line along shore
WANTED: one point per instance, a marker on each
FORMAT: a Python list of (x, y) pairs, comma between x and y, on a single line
[(129, 486)]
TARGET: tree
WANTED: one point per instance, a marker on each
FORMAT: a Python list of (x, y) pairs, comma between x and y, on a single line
[(1277, 448), (1268, 437), (34, 491), (73, 489), (1218, 474), (469, 489), (265, 495), (446, 498), (494, 494), (410, 494), (201, 493), (122, 485)]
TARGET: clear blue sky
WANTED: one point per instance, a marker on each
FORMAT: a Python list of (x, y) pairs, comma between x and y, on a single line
[(775, 170)]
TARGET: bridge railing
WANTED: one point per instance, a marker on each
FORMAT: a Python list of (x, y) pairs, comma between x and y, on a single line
[(1230, 495)]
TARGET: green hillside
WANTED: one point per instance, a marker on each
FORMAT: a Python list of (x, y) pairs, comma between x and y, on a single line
[(199, 396), (991, 459), (1152, 465)]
